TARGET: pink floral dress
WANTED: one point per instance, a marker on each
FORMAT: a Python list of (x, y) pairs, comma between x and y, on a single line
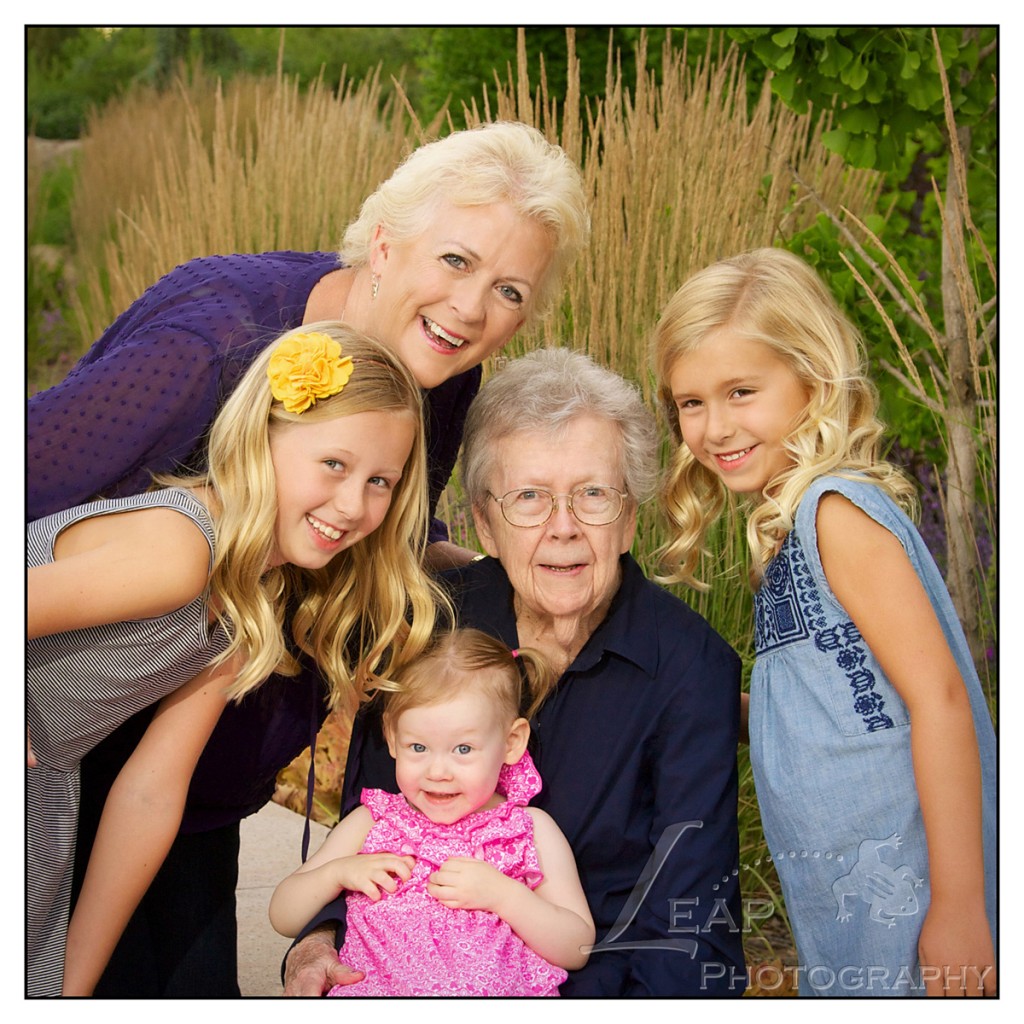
[(409, 944)]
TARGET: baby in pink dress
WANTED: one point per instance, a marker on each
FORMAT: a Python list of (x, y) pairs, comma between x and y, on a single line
[(455, 887)]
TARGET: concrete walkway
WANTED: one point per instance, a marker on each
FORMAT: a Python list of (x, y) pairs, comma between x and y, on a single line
[(271, 848)]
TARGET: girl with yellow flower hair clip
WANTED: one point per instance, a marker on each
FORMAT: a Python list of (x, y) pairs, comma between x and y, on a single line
[(302, 543)]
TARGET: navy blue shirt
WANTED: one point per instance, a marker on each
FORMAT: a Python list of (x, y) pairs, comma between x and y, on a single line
[(637, 750)]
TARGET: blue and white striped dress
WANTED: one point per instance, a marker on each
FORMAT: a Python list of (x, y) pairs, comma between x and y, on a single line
[(81, 685)]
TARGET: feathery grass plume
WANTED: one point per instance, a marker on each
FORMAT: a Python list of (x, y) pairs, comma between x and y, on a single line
[(681, 173), (256, 165)]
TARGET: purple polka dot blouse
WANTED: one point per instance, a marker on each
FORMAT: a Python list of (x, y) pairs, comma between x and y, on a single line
[(142, 398)]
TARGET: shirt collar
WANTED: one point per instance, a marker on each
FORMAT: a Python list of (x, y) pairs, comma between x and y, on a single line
[(628, 630)]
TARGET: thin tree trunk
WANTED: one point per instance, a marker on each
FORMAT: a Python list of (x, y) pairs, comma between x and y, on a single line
[(961, 546)]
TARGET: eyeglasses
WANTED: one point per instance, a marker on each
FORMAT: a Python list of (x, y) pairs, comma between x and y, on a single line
[(592, 504)]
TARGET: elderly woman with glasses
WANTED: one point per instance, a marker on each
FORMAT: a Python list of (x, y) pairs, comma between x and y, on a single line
[(637, 744)]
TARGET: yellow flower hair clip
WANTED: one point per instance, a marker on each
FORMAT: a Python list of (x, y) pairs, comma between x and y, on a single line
[(307, 367)]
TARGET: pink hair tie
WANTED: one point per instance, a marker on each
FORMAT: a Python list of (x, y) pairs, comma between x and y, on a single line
[(515, 653)]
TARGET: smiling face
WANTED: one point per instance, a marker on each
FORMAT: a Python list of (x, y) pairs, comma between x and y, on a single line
[(335, 481), (448, 755), (737, 402), (455, 294), (564, 570)]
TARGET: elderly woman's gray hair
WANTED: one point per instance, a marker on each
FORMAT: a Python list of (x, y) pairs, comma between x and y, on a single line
[(543, 392), (499, 162)]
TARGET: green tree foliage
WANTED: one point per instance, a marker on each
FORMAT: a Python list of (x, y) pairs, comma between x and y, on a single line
[(180, 45), (72, 68), (69, 70), (884, 91), (458, 63), (883, 82), (306, 51)]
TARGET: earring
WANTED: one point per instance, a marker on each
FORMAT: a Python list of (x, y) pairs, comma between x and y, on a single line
[(375, 286)]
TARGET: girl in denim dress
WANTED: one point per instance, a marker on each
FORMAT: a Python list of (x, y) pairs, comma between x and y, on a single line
[(870, 738)]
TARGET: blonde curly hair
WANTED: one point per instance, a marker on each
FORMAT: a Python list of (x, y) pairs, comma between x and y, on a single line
[(372, 608), (771, 296)]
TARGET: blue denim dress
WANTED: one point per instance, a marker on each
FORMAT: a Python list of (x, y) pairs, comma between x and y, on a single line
[(830, 750)]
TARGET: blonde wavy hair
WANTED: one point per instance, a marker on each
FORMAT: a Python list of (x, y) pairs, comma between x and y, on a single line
[(460, 659), (771, 296), (372, 605), (500, 162)]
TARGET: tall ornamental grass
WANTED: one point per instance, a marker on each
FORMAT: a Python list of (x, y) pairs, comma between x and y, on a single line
[(256, 165), (682, 172)]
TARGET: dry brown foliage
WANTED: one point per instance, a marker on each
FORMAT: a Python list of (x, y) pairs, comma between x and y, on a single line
[(331, 752)]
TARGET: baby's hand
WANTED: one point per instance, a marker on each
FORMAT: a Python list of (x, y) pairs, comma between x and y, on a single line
[(368, 873), (464, 883)]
